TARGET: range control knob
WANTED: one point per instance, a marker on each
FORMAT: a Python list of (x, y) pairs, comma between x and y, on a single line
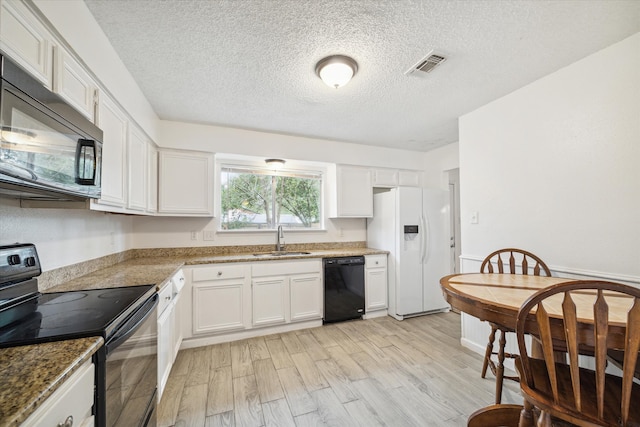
[(13, 259), (30, 261)]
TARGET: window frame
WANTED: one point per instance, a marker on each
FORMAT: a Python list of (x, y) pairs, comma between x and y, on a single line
[(292, 168)]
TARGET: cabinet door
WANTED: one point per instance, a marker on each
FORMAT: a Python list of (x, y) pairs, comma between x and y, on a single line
[(165, 348), (152, 179), (376, 289), (176, 325), (409, 178), (113, 122), (185, 184), (137, 170), (385, 178), (269, 300), (74, 84), (354, 192), (306, 297), (219, 306), (26, 40)]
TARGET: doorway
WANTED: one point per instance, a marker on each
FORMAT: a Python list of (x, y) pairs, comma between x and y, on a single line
[(454, 212)]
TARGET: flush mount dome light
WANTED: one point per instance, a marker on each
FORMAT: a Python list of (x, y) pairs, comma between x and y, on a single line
[(336, 71), (275, 163)]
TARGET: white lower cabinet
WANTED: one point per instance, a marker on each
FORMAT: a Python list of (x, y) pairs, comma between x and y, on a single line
[(165, 348), (286, 291), (375, 282), (269, 300), (169, 328), (235, 297), (221, 298), (73, 401), (306, 296)]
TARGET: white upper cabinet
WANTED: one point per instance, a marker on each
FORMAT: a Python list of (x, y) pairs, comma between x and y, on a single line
[(185, 183), (352, 192), (137, 169), (113, 122), (385, 177), (26, 40), (74, 84), (152, 178), (409, 178), (389, 178)]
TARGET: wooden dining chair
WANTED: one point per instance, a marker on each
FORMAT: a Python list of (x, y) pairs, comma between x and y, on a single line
[(567, 391), (510, 261), (499, 415)]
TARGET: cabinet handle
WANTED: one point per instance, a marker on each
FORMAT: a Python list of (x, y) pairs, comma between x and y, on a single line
[(182, 279), (67, 423), (376, 262), (168, 298), (219, 273)]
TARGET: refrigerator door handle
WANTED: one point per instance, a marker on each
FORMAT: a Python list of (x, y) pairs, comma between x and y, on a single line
[(424, 239), (427, 237)]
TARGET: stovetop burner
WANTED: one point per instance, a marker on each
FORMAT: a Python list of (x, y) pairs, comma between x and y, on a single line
[(29, 317), (64, 315)]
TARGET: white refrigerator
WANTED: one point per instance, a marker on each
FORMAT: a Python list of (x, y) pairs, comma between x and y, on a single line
[(413, 225)]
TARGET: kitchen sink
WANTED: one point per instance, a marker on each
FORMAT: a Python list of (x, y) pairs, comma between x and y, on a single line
[(280, 253)]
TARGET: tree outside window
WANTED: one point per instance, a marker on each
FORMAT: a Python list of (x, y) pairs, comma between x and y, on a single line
[(254, 198)]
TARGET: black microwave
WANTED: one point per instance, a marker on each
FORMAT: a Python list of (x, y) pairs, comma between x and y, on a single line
[(48, 150)]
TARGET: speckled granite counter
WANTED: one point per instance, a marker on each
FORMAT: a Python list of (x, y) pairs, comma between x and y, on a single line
[(158, 269), (29, 374)]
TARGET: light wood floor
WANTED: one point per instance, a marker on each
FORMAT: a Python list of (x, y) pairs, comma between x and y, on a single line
[(378, 372)]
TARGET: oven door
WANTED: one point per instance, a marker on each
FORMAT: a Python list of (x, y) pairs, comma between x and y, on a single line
[(131, 371)]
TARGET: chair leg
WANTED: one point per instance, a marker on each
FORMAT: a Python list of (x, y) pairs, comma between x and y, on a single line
[(544, 420), (526, 415), (500, 366), (489, 350)]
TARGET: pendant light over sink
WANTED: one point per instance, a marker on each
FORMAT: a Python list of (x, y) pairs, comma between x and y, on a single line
[(337, 70)]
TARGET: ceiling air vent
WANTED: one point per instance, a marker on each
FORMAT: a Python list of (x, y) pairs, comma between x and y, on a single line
[(427, 64)]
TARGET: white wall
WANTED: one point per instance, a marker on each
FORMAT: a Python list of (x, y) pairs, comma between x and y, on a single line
[(438, 163), (219, 139), (64, 236), (553, 168), (176, 232)]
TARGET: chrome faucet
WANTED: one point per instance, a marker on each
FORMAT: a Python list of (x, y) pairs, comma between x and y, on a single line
[(280, 239)]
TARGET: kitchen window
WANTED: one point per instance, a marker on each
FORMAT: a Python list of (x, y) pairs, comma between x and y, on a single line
[(255, 198)]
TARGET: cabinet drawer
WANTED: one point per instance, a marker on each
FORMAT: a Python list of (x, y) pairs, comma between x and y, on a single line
[(73, 398), (277, 268), (375, 261), (219, 272)]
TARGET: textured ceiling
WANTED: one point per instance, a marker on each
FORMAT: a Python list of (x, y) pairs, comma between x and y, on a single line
[(250, 63)]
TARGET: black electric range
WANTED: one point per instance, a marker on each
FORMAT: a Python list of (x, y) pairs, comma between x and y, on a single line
[(119, 315)]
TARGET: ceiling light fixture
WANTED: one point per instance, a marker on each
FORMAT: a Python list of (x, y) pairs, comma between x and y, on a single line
[(275, 163), (336, 71)]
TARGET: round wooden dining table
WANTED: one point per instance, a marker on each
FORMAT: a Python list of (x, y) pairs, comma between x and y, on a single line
[(497, 298), (494, 297)]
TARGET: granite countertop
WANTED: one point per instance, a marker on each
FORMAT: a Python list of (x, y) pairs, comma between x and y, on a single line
[(159, 269), (30, 374)]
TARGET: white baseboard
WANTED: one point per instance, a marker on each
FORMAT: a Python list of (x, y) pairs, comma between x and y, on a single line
[(201, 341), (473, 346), (373, 314)]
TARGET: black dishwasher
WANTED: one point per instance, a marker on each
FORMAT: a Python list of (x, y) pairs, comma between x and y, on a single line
[(343, 288)]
